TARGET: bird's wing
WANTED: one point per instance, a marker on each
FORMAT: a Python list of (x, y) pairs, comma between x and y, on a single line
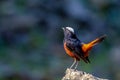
[(76, 47)]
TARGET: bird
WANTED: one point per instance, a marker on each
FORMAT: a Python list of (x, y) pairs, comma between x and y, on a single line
[(77, 49)]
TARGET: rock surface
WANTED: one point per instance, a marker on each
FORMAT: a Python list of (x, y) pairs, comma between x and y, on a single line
[(72, 74)]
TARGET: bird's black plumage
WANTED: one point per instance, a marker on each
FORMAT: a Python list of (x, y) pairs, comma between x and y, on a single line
[(74, 45)]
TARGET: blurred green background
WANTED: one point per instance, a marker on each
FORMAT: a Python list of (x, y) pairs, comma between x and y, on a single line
[(31, 38)]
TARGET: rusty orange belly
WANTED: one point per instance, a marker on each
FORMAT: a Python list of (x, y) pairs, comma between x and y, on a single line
[(70, 53)]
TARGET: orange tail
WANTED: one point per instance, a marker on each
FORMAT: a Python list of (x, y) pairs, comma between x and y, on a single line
[(96, 41), (87, 47)]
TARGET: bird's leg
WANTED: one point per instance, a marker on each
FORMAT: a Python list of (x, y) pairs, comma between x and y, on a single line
[(73, 63), (76, 65)]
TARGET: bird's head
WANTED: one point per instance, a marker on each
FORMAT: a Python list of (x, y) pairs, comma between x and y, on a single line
[(69, 32)]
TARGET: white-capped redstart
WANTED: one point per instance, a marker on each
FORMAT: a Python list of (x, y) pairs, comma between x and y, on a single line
[(77, 49)]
